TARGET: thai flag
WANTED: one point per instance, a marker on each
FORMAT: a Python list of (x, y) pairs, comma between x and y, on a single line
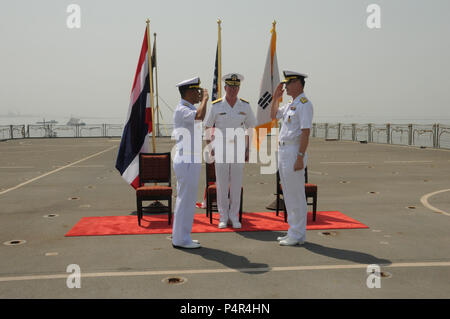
[(135, 136)]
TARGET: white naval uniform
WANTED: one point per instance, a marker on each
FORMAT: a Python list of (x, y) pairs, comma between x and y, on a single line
[(295, 116), (187, 167), (229, 168)]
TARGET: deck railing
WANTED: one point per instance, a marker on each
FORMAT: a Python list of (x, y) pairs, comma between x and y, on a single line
[(423, 135)]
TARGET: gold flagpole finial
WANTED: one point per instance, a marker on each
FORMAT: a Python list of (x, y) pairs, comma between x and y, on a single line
[(219, 21), (147, 21)]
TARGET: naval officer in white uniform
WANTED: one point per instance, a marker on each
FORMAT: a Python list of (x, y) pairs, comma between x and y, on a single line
[(296, 119), (187, 161), (230, 147)]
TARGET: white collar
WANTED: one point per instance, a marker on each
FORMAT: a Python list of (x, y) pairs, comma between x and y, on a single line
[(186, 103)]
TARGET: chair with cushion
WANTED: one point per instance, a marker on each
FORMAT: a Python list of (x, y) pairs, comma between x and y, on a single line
[(211, 192), (310, 192), (154, 168)]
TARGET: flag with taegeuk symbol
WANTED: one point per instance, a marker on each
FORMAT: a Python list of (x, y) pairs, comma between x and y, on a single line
[(270, 80)]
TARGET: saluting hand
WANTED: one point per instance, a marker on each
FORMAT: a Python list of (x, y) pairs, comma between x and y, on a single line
[(205, 95), (278, 93)]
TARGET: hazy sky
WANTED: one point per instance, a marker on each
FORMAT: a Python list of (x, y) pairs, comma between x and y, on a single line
[(400, 70)]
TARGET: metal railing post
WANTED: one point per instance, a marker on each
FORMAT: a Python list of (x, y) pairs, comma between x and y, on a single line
[(388, 133), (434, 135), (438, 136), (410, 134)]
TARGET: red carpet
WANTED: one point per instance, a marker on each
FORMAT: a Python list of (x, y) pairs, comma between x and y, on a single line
[(157, 224)]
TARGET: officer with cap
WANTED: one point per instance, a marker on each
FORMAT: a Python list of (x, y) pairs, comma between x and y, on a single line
[(232, 118), (187, 161), (296, 119)]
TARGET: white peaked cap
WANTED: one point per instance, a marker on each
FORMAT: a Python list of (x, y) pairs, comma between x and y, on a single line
[(192, 83)]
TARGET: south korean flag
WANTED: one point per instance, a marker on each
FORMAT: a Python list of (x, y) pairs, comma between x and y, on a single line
[(269, 82)]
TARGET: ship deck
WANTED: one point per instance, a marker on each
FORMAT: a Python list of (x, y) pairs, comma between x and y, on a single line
[(402, 193)]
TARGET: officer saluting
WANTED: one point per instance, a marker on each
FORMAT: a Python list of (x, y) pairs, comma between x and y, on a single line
[(293, 141), (187, 161), (234, 114)]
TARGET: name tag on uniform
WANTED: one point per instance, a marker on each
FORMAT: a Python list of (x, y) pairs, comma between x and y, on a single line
[(242, 113), (223, 113), (293, 108)]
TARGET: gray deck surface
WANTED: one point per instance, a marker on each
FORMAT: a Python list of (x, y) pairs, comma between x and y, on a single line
[(412, 245)]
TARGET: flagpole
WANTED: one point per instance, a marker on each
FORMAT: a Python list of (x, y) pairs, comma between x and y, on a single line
[(219, 62), (156, 85), (273, 89), (271, 62), (151, 84)]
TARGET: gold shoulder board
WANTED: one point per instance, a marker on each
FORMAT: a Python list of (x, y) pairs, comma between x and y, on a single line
[(218, 100), (244, 101), (303, 100)]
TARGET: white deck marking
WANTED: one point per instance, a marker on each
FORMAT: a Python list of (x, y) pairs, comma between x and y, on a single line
[(83, 166), (424, 201), (8, 167), (344, 162), (222, 270), (56, 170), (386, 162), (402, 162)]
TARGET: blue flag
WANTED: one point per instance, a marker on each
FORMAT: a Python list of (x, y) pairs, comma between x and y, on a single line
[(215, 81)]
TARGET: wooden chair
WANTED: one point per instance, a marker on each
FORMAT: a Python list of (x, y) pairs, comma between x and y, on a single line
[(310, 192), (154, 168), (211, 192)]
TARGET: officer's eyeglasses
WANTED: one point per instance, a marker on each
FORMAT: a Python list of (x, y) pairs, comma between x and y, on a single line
[(198, 90), (291, 81)]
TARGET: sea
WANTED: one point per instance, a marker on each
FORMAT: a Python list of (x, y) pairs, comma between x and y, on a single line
[(34, 119), (423, 135), (347, 119)]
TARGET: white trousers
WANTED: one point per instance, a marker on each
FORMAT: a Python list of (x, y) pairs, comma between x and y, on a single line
[(187, 175), (229, 179), (293, 183)]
